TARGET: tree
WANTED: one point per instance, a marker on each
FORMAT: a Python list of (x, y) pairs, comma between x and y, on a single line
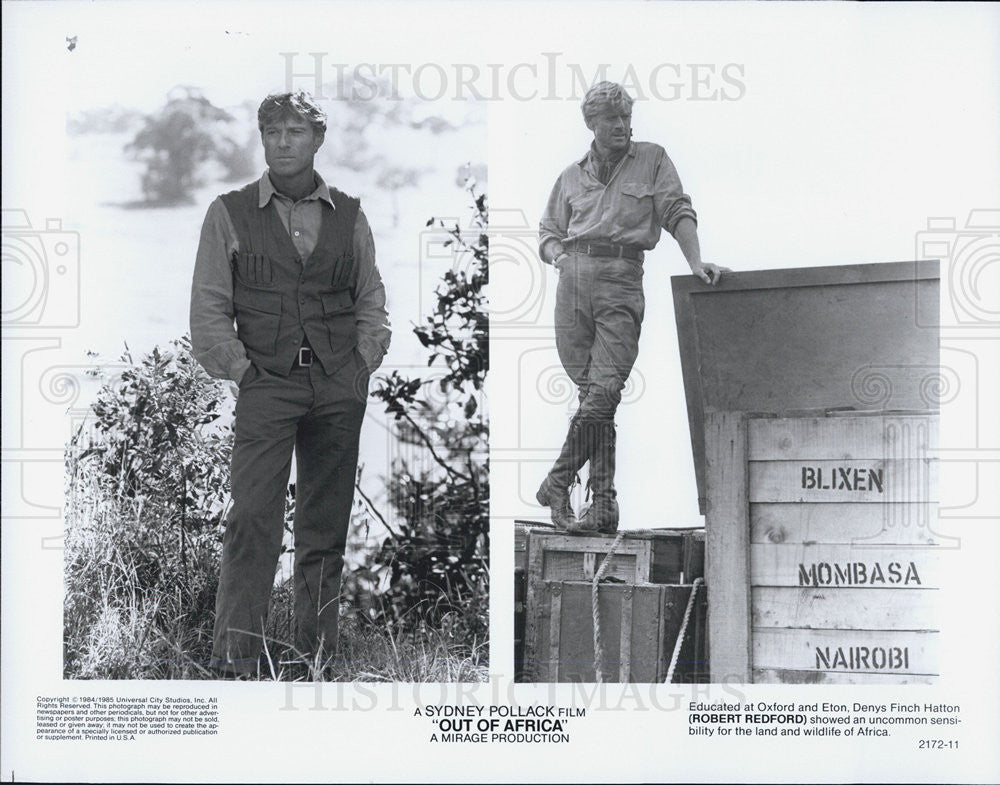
[(176, 141)]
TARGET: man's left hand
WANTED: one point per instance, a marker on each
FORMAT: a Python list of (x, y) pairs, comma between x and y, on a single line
[(709, 273)]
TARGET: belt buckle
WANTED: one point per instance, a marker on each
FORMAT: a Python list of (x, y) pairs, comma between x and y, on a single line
[(305, 356)]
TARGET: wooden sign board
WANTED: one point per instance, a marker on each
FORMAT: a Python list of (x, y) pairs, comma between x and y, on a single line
[(861, 337), (851, 522), (803, 655), (823, 562), (844, 565)]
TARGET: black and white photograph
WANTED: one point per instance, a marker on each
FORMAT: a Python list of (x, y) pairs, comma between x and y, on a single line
[(277, 468), (488, 381), (816, 555), (784, 497)]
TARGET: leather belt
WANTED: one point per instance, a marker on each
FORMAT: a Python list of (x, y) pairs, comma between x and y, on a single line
[(604, 249)]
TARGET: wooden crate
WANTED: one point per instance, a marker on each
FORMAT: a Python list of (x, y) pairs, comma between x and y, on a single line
[(639, 628), (823, 560), (813, 338), (765, 356), (659, 556), (522, 531), (667, 556)]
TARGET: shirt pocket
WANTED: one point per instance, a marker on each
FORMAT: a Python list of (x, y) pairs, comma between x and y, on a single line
[(258, 317), (637, 206), (583, 204)]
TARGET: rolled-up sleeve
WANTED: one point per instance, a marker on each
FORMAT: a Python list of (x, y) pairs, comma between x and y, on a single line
[(374, 330), (552, 229), (670, 201), (214, 342)]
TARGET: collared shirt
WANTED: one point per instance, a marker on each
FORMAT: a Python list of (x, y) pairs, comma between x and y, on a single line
[(643, 195), (605, 167), (213, 335)]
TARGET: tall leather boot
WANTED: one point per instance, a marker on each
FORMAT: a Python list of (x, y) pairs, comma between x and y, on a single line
[(554, 490), (602, 515)]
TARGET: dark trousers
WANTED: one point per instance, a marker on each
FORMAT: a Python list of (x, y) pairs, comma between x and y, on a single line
[(599, 310), (319, 417)]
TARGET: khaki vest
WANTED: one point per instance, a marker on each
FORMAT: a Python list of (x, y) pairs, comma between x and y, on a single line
[(278, 299)]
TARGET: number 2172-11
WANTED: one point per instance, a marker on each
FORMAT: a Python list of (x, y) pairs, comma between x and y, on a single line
[(938, 744)]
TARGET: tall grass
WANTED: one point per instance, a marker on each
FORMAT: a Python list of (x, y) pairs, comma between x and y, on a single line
[(116, 627), (124, 618), (144, 524)]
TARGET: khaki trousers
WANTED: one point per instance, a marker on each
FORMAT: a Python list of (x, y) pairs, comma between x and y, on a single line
[(599, 310)]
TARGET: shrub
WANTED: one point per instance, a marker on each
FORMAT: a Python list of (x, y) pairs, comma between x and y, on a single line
[(147, 489), (438, 559)]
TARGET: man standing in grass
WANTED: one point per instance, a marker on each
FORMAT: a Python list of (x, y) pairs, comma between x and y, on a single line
[(291, 262), (605, 211)]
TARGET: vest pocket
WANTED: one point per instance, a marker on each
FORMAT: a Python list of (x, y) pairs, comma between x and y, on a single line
[(254, 270), (338, 316), (258, 317), (343, 271)]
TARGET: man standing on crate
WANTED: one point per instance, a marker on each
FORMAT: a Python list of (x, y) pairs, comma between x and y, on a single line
[(291, 261), (605, 210)]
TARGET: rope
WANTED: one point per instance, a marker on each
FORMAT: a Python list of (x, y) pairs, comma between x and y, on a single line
[(595, 611), (683, 632), (599, 676)]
